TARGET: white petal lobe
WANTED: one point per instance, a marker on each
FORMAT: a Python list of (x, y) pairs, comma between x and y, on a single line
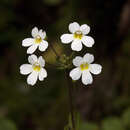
[(42, 34), (25, 69), (27, 42), (41, 61), (34, 31), (66, 38), (87, 78), (76, 45), (43, 45), (85, 29), (32, 49), (32, 78), (32, 59), (77, 61), (95, 69), (75, 73), (89, 58), (88, 41), (42, 74), (73, 27)]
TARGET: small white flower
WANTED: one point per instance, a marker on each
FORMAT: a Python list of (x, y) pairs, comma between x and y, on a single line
[(36, 41), (84, 67), (34, 69), (78, 36)]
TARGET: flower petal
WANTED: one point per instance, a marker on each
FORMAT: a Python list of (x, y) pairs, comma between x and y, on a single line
[(73, 27), (95, 69), (42, 34), (43, 45), (32, 48), (85, 29), (87, 78), (32, 78), (32, 59), (66, 38), (89, 58), (27, 42), (42, 74), (26, 69), (77, 61), (75, 73), (41, 61), (88, 41), (34, 31), (76, 45)]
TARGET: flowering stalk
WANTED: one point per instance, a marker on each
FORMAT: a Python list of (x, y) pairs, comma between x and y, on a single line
[(84, 66), (70, 90)]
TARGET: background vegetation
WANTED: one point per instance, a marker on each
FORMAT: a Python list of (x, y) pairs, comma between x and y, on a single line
[(104, 105)]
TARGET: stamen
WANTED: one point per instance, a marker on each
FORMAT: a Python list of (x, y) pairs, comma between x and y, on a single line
[(84, 66), (38, 39), (36, 67), (78, 35)]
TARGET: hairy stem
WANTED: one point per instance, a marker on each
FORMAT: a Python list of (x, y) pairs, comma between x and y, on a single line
[(70, 90), (54, 50)]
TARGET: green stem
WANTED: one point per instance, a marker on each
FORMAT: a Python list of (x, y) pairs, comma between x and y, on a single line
[(52, 65), (70, 89)]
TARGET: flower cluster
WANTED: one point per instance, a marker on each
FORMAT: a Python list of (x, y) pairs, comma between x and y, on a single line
[(36, 67), (83, 65), (78, 37)]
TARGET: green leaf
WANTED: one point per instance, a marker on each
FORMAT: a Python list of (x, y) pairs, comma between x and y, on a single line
[(88, 126), (7, 124), (126, 117), (66, 127), (80, 124), (112, 123)]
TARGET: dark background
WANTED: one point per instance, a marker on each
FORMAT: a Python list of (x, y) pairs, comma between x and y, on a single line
[(105, 104)]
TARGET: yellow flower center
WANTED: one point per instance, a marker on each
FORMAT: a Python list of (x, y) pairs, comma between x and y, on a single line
[(38, 39), (36, 67), (78, 35), (84, 66)]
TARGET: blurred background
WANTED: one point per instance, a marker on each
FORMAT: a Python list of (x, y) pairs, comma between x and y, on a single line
[(104, 105)]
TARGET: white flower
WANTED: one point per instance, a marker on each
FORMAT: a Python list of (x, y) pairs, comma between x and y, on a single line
[(84, 68), (36, 41), (34, 69), (78, 36)]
